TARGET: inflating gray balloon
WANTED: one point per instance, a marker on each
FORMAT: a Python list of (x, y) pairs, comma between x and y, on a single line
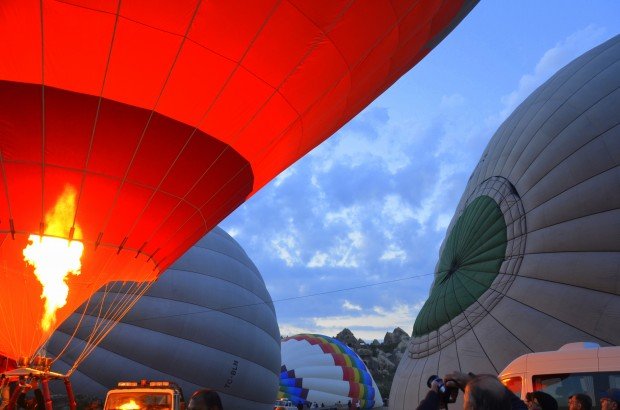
[(531, 259), (208, 321)]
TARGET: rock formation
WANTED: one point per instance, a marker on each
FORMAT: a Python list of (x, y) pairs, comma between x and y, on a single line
[(381, 358)]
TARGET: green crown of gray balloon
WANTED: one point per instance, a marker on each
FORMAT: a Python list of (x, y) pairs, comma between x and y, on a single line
[(478, 260)]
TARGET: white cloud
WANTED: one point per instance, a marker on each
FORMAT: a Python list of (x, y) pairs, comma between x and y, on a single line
[(343, 251), (394, 252), (551, 61), (318, 260), (320, 200), (377, 141), (397, 210), (314, 181), (287, 329), (453, 100), (233, 231), (286, 248), (430, 204), (349, 216), (367, 326), (346, 305), (442, 222), (353, 149), (357, 239), (344, 254), (284, 175), (371, 325)]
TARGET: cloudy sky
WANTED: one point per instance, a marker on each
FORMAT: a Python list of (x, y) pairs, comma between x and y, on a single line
[(349, 235)]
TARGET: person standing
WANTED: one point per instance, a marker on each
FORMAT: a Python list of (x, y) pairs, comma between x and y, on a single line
[(579, 401), (539, 400), (611, 400)]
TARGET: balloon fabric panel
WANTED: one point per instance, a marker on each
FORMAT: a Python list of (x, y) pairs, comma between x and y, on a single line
[(188, 320), (159, 120), (123, 213), (551, 168)]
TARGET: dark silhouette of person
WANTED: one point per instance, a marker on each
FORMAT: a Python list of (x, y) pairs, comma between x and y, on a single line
[(539, 400), (579, 401), (480, 392), (205, 399)]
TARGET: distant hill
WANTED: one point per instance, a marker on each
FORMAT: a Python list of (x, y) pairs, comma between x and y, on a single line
[(381, 358)]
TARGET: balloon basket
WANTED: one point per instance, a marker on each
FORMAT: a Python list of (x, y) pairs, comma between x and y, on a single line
[(35, 376)]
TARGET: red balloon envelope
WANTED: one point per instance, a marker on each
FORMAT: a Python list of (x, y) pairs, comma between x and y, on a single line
[(134, 127)]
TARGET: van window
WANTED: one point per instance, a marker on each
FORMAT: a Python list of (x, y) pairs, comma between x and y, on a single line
[(513, 384), (562, 386)]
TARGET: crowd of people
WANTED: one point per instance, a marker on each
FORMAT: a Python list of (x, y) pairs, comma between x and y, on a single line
[(486, 392), (480, 392)]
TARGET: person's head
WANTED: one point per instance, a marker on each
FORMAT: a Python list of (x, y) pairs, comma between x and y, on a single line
[(486, 392), (539, 400), (205, 399), (579, 401), (610, 400)]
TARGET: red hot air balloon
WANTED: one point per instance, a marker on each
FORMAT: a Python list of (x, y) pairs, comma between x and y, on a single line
[(128, 129)]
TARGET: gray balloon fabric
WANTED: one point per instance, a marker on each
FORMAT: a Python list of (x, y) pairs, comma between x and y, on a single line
[(208, 321), (552, 170)]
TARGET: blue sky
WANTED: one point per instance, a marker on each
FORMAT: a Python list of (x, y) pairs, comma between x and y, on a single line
[(372, 203)]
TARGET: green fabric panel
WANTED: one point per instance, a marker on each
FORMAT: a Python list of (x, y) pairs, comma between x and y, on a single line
[(470, 261)]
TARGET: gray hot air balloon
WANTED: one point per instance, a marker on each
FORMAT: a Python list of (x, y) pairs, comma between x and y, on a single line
[(208, 321), (531, 259)]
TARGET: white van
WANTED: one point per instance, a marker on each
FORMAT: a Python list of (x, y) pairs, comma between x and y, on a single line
[(574, 368)]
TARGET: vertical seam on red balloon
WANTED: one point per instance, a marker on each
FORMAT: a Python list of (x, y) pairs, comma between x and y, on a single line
[(215, 99), (10, 337), (6, 193), (137, 148), (276, 90), (208, 224), (42, 118), (214, 215), (183, 200), (96, 120), (88, 154)]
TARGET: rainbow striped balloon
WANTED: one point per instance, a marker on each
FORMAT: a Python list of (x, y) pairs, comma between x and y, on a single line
[(321, 369)]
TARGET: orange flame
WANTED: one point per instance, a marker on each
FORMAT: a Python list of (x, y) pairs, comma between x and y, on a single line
[(130, 405), (55, 258)]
